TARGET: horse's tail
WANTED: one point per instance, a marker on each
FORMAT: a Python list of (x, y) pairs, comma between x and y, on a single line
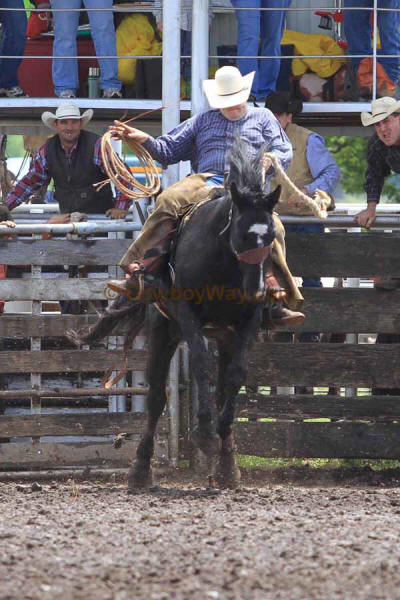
[(128, 316)]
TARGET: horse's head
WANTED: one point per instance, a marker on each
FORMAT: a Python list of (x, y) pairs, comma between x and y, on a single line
[(252, 228)]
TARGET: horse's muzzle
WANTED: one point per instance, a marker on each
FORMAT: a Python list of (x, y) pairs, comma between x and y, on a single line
[(254, 256)]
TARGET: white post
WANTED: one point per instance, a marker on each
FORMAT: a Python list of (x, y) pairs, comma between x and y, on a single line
[(200, 53), (375, 33), (170, 119), (171, 76)]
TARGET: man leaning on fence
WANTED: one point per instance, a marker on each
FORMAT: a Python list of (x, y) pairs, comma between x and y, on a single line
[(383, 158), (72, 159)]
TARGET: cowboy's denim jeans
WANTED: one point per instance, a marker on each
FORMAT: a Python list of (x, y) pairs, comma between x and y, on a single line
[(13, 41), (65, 70), (269, 26), (358, 28)]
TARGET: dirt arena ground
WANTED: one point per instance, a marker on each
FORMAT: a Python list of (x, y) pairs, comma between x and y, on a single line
[(268, 540)]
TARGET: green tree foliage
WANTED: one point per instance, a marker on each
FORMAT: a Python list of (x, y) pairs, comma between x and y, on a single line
[(350, 154)]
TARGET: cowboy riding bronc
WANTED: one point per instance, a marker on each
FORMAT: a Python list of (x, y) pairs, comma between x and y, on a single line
[(206, 140)]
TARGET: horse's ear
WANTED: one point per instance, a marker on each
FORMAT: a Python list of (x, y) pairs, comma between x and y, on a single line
[(235, 194), (273, 197)]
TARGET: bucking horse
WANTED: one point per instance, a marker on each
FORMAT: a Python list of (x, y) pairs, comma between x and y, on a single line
[(218, 281)]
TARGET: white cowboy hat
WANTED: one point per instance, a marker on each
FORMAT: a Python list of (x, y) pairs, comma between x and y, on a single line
[(66, 110), (380, 109), (228, 88)]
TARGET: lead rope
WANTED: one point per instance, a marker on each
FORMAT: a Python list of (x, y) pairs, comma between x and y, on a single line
[(318, 205)]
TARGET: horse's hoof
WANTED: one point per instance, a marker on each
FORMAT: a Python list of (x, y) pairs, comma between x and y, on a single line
[(227, 474), (140, 476), (206, 440)]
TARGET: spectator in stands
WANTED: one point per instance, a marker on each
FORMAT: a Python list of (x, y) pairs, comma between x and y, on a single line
[(72, 159), (312, 168), (186, 31), (65, 70), (358, 29), (13, 24), (269, 26)]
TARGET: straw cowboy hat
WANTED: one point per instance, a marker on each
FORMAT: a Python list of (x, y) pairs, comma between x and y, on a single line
[(66, 110), (228, 88), (380, 109)]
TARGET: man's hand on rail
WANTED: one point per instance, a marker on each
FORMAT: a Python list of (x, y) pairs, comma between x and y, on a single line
[(7, 223), (120, 131), (10, 224), (366, 217), (56, 220), (116, 213)]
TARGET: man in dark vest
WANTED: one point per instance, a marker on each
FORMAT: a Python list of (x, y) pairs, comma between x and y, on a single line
[(72, 159)]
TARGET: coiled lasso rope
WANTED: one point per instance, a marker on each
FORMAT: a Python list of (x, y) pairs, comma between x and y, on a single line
[(120, 175), (317, 205)]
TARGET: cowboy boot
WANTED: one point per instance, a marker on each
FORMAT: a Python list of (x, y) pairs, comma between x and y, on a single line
[(278, 314)]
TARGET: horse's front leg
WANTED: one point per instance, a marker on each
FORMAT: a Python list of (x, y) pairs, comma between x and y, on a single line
[(162, 346), (204, 435), (232, 375), (226, 472)]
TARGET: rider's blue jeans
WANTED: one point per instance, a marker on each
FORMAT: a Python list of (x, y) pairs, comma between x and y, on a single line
[(357, 28), (13, 42), (65, 70), (267, 26)]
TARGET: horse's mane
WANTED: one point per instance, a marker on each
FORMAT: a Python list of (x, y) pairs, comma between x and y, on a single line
[(246, 170)]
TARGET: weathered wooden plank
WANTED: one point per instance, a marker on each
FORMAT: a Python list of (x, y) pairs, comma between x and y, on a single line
[(62, 392), (349, 365), (344, 254), (319, 440), (67, 361), (53, 289), (327, 310), (53, 455), (351, 310), (76, 424), (63, 252), (313, 407), (23, 326), (309, 254)]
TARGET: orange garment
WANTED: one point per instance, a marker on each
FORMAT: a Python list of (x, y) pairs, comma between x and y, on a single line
[(385, 86)]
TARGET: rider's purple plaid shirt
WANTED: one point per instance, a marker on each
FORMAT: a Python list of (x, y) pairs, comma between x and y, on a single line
[(381, 161), (206, 138)]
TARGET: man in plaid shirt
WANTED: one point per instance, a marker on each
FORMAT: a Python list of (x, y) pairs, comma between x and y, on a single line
[(72, 159)]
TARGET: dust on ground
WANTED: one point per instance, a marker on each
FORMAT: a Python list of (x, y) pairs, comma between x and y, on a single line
[(287, 536)]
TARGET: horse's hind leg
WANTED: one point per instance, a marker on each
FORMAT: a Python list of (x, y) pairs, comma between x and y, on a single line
[(162, 346), (227, 473)]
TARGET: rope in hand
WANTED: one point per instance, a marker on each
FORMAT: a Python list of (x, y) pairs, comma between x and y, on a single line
[(120, 175), (118, 172), (317, 205)]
